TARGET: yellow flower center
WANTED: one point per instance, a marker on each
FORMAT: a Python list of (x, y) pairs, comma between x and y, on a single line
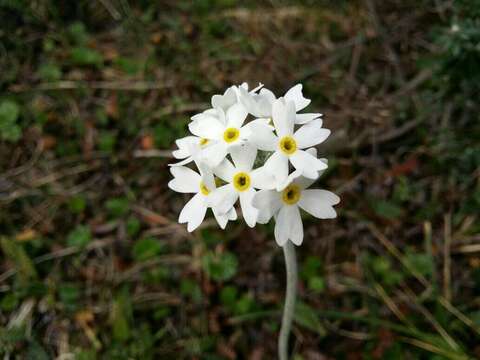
[(288, 145), (241, 181), (204, 141), (204, 189), (231, 135), (291, 194)]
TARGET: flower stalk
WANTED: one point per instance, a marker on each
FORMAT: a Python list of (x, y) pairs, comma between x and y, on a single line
[(289, 308)]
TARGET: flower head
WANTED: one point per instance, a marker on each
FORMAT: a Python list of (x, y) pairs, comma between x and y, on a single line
[(225, 145)]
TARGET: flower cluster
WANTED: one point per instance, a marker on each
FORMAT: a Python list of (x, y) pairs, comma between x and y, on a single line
[(226, 149)]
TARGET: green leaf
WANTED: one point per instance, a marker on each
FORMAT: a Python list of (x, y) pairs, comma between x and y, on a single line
[(107, 141), (69, 295), (9, 129), (118, 207), (17, 254), (9, 302), (133, 226), (9, 112), (80, 236), (85, 56), (422, 263), (386, 209), (77, 204), (120, 316), (36, 352), (316, 284), (49, 72), (311, 267), (228, 296), (220, 267), (147, 248), (78, 33), (307, 317)]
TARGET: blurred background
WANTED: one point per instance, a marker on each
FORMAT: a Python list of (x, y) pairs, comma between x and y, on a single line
[(93, 264)]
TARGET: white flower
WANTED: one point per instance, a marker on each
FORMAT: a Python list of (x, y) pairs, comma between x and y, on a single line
[(284, 205), (229, 98), (241, 183), (226, 131), (261, 104), (188, 181), (289, 145), (188, 149)]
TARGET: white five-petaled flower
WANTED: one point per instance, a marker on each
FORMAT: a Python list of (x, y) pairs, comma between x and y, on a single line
[(289, 146), (225, 131), (188, 149), (261, 104), (285, 207), (185, 180), (241, 183)]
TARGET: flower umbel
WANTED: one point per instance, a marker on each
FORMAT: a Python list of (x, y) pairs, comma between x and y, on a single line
[(225, 145)]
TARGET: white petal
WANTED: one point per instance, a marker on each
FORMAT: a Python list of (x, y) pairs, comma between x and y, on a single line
[(183, 162), (295, 94), (232, 214), (261, 135), (311, 134), (193, 212), (243, 157), (267, 94), (296, 231), (208, 128), (222, 219), (277, 165), (307, 117), (247, 99), (268, 203), (185, 180), (214, 154), (283, 116), (207, 175), (225, 170), (283, 224), (250, 213), (184, 145), (262, 179), (293, 176), (226, 100), (236, 115), (319, 203), (223, 198), (307, 163)]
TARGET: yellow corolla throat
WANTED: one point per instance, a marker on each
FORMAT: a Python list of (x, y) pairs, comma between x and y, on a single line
[(204, 141), (231, 134), (204, 189), (241, 181), (288, 145), (291, 194)]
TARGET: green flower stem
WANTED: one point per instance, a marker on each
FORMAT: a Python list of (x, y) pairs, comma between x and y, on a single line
[(289, 309)]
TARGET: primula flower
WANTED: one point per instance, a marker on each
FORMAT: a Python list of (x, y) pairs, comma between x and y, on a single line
[(202, 185), (241, 183), (288, 146), (226, 131), (261, 105), (188, 148), (285, 204)]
